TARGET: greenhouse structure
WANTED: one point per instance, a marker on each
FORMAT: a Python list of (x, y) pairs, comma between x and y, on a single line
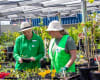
[(49, 39)]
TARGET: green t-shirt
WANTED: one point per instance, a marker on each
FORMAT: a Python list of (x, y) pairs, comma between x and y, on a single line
[(70, 45)]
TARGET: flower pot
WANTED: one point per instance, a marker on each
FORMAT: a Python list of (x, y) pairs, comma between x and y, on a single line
[(85, 72), (10, 49), (95, 75), (3, 63), (98, 50), (11, 78), (44, 63), (92, 62)]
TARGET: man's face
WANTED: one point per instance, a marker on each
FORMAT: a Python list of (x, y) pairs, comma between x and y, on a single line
[(27, 32)]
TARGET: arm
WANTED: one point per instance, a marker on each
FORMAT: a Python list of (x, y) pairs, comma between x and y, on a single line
[(16, 51), (41, 50), (72, 59), (71, 49)]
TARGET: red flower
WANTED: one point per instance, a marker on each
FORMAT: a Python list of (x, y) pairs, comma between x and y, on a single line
[(3, 74), (94, 59)]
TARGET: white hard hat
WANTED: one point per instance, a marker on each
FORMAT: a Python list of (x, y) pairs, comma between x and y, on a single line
[(25, 26), (55, 26)]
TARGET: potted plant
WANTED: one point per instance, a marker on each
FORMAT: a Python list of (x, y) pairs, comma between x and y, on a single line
[(2, 54), (96, 74), (90, 54)]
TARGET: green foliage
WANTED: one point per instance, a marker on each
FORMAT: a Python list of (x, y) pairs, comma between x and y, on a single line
[(91, 1), (2, 53), (15, 35), (98, 46), (93, 28), (8, 37), (3, 38), (41, 31), (41, 22), (88, 24), (74, 32)]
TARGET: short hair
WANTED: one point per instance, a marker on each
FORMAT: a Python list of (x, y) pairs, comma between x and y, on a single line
[(63, 32)]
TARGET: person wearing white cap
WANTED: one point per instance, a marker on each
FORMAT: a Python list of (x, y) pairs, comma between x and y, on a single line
[(62, 48), (28, 48)]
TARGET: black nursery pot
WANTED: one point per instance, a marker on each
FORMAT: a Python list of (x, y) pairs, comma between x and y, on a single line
[(85, 72), (11, 78), (95, 75)]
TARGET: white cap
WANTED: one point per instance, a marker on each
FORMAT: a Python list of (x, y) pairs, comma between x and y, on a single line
[(25, 26), (55, 26)]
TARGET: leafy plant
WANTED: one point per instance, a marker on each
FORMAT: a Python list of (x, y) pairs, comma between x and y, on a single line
[(8, 37), (92, 32), (2, 54), (74, 32)]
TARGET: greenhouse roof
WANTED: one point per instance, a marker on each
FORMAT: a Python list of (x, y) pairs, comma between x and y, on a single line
[(19, 9)]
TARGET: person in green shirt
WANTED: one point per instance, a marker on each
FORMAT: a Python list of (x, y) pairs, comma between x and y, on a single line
[(62, 48), (28, 46)]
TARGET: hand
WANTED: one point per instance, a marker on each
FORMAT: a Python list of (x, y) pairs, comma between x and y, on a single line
[(20, 60), (63, 69), (32, 59)]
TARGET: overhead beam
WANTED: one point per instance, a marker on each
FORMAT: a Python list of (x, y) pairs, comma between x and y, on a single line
[(11, 2)]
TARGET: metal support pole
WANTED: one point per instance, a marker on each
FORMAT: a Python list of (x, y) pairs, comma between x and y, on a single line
[(84, 19), (84, 13), (59, 16), (30, 21), (0, 28)]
